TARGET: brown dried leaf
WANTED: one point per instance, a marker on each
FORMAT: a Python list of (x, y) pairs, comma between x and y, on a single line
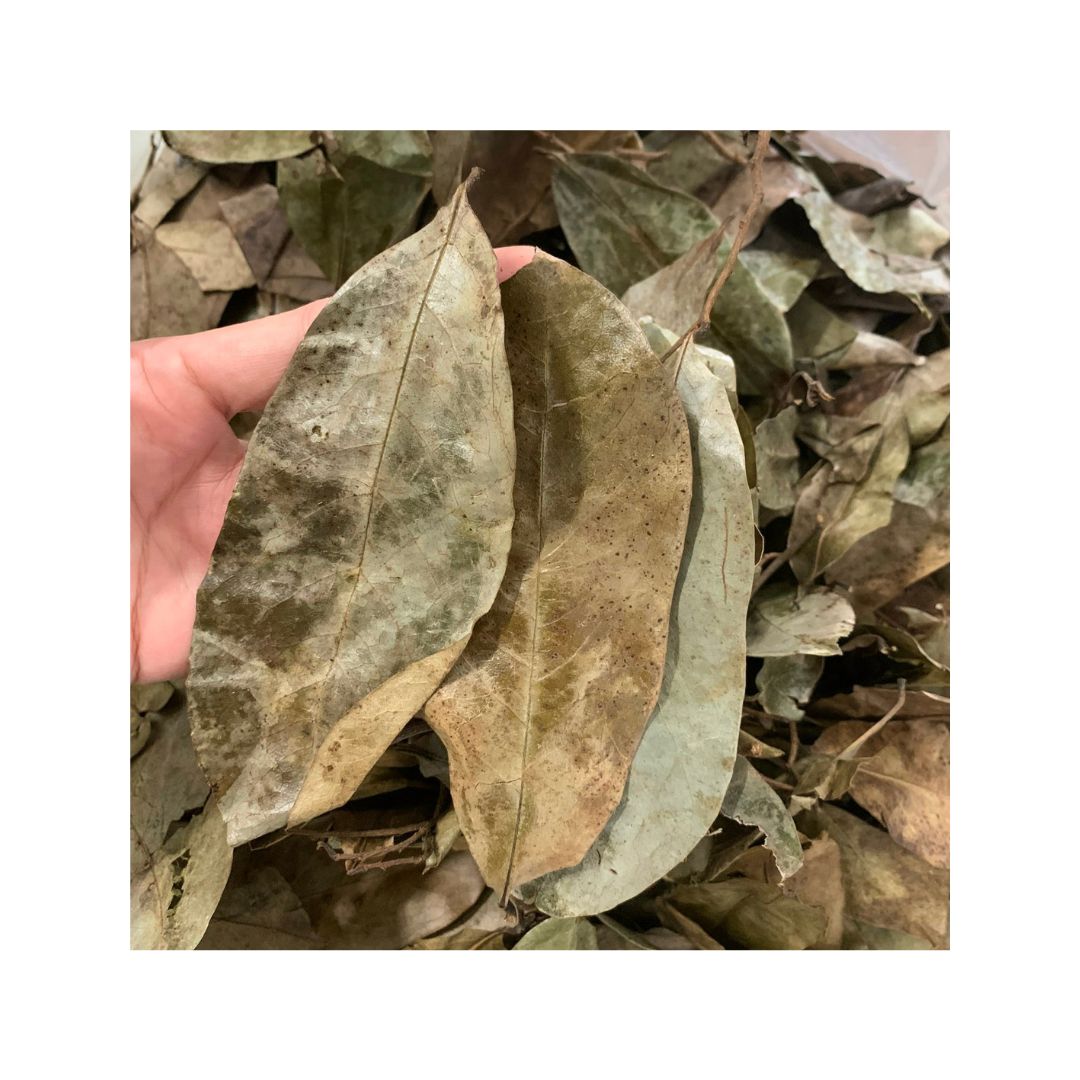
[(260, 227), (169, 179), (902, 779), (210, 252), (543, 714), (884, 885), (367, 533)]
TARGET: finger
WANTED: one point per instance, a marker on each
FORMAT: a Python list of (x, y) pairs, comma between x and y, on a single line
[(511, 259), (239, 366)]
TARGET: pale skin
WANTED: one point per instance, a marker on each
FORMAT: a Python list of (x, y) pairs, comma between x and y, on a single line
[(185, 460)]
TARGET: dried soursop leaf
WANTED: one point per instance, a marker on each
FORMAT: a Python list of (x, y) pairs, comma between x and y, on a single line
[(786, 682), (357, 198), (683, 764), (367, 533), (560, 934), (783, 621), (622, 225), (222, 147), (179, 855), (169, 179), (210, 252), (902, 779), (750, 801), (544, 711)]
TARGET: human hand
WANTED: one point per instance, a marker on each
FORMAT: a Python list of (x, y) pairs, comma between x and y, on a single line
[(185, 459)]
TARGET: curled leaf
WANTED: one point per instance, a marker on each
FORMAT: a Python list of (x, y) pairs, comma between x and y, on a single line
[(750, 801), (367, 533), (783, 621)]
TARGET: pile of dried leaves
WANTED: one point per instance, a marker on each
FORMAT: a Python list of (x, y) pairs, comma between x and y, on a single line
[(538, 621)]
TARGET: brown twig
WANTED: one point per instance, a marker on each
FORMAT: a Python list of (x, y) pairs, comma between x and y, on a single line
[(757, 195), (725, 148), (849, 753), (555, 141), (793, 750)]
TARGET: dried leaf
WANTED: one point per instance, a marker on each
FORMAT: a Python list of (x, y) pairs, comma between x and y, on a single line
[(777, 458), (210, 252), (560, 934), (750, 801), (296, 274), (750, 914), (907, 230), (622, 225), (220, 147), (903, 780), (783, 621), (259, 910), (512, 198), (819, 883), (346, 579), (884, 885), (782, 276), (745, 322), (848, 238), (169, 179), (179, 857), (543, 713), (785, 683), (151, 697), (260, 227), (447, 830), (390, 909), (358, 198), (165, 298), (683, 765)]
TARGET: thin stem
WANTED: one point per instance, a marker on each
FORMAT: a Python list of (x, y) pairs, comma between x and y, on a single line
[(852, 750)]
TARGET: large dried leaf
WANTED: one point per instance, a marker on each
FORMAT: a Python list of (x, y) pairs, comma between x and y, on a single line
[(367, 533), (179, 856), (221, 147), (560, 934), (356, 199), (884, 885), (543, 713), (683, 765), (781, 275), (902, 779), (783, 621), (745, 321), (512, 198), (622, 225), (907, 230)]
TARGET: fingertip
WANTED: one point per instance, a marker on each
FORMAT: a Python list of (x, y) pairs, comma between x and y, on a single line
[(511, 259)]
